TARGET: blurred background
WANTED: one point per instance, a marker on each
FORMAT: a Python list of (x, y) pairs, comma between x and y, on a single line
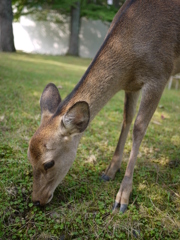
[(56, 27)]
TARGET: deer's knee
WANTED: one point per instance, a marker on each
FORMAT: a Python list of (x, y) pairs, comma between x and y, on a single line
[(128, 119), (139, 130)]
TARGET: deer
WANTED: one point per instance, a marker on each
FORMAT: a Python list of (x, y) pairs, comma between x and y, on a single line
[(137, 55)]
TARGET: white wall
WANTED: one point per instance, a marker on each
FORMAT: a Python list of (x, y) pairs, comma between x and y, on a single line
[(52, 38)]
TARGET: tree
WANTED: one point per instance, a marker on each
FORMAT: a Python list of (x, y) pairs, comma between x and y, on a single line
[(74, 30), (94, 9), (6, 30)]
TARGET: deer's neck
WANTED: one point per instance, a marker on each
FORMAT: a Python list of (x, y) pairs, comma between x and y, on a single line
[(99, 83)]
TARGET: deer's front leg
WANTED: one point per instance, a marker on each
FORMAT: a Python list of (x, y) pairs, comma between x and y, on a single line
[(150, 98), (129, 111)]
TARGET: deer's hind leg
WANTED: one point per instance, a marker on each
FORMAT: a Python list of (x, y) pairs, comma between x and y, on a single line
[(151, 94), (129, 112)]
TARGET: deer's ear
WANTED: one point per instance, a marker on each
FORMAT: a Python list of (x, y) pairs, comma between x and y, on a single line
[(49, 101), (76, 118)]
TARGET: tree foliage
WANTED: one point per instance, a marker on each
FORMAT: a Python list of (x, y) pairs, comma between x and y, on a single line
[(94, 9), (98, 10)]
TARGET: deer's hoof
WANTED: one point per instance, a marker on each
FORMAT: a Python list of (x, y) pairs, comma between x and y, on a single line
[(116, 206), (105, 178), (123, 208)]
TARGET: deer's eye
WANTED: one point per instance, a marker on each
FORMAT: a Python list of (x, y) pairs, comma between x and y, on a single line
[(48, 165)]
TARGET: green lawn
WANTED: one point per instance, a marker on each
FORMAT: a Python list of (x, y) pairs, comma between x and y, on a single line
[(81, 207)]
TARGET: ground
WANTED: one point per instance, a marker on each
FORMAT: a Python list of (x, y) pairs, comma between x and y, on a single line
[(82, 204)]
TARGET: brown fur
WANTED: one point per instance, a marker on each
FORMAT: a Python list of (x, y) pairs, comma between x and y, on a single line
[(138, 53)]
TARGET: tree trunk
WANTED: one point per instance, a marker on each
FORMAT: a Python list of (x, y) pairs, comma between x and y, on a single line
[(74, 30), (6, 30)]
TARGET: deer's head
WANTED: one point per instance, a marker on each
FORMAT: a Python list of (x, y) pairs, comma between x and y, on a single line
[(53, 147)]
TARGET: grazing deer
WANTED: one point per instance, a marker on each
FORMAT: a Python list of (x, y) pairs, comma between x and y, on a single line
[(138, 53)]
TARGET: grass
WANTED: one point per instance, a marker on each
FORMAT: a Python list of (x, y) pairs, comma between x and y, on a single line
[(81, 207)]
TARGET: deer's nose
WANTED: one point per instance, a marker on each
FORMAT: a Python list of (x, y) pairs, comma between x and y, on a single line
[(36, 203)]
